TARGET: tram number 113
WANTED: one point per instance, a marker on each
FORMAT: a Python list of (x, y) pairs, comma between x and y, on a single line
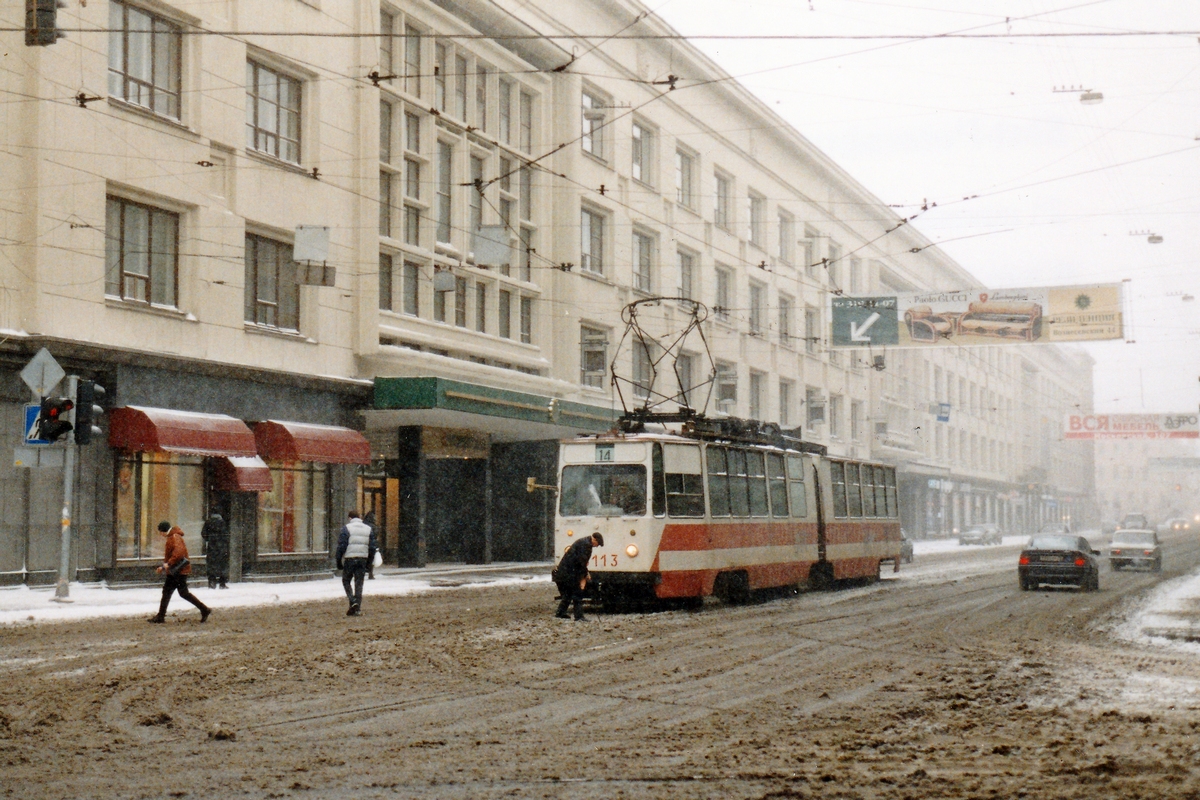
[(605, 560)]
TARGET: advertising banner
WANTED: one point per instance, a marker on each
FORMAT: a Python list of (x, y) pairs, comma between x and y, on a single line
[(1046, 314), (1132, 426)]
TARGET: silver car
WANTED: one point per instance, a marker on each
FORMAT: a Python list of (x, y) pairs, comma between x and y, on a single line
[(1138, 548)]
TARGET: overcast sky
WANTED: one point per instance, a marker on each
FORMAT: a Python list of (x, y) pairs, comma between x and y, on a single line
[(1061, 184)]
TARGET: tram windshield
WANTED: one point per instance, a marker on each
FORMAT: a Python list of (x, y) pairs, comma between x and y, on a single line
[(603, 490)]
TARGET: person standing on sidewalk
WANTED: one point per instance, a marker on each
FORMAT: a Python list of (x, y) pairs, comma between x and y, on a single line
[(216, 552), (356, 549), (572, 576), (176, 567)]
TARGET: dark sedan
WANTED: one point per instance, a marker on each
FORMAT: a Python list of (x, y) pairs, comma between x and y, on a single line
[(1134, 548), (1059, 560)]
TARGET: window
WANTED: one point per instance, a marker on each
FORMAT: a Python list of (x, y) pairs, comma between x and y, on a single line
[(687, 268), (758, 303), (785, 403), (643, 254), (787, 237), (460, 87), (504, 314), (143, 59), (476, 221), (526, 123), (812, 329), (722, 199), (785, 319), (412, 273), (643, 368), (756, 207), (460, 302), (141, 253), (412, 61), (724, 293), (726, 387), (796, 493), (528, 249), (526, 319), (440, 65), (592, 138), (385, 203), (445, 154), (685, 179), (814, 405), (642, 154), (856, 421), (385, 282), (292, 516), (387, 24), (505, 103), (481, 307), (856, 282), (439, 300), (810, 251), (412, 225), (412, 133), (835, 415), (272, 113), (272, 292), (154, 486), (591, 257), (684, 482), (777, 484), (525, 191), (593, 357), (385, 132), (756, 392), (837, 479), (833, 267), (685, 369), (718, 481), (482, 76)]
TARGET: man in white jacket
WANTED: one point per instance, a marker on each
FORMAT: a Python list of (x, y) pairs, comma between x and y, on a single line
[(356, 549)]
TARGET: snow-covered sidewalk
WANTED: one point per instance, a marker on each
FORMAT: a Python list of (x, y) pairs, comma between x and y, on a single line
[(22, 604), (1169, 615)]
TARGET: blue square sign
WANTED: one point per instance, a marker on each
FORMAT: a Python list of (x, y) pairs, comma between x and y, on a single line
[(31, 417)]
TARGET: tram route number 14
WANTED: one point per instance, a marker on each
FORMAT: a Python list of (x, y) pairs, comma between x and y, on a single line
[(605, 560)]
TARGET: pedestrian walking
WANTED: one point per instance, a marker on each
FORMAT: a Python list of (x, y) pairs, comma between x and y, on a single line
[(572, 575), (356, 549), (369, 519), (176, 567), (216, 550)]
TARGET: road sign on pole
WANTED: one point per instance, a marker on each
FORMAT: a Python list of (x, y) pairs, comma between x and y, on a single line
[(31, 437), (42, 373), (865, 321)]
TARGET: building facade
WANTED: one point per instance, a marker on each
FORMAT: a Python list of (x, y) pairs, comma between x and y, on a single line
[(495, 190)]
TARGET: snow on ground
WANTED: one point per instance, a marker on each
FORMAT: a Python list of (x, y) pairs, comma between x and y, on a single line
[(1168, 616), (22, 604)]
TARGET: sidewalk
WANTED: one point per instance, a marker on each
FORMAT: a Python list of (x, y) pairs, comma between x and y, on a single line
[(25, 605)]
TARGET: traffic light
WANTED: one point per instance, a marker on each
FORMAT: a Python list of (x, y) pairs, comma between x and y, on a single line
[(41, 22), (87, 410), (52, 421)]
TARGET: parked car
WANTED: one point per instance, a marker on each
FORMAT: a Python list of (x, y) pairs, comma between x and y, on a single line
[(1056, 527), (981, 534), (1060, 560), (1135, 521), (1134, 548), (906, 548)]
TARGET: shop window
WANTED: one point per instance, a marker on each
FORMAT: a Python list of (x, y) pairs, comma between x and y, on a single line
[(151, 488), (292, 517)]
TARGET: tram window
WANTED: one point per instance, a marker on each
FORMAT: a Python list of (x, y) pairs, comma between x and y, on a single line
[(891, 493), (777, 481), (685, 495), (853, 498), (837, 479), (795, 468), (739, 502), (660, 485), (868, 490), (718, 482), (796, 493), (756, 480), (881, 493), (603, 490)]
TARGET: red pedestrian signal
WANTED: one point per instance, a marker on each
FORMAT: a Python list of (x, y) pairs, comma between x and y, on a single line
[(52, 422)]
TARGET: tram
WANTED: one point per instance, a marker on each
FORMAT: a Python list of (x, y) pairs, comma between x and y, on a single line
[(722, 507)]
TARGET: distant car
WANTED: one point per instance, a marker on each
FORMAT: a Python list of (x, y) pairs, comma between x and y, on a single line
[(1056, 527), (1135, 548), (981, 534), (1179, 524), (1134, 521), (906, 548), (1060, 560)]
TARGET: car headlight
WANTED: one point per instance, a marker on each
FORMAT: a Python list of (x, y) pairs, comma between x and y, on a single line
[(631, 551)]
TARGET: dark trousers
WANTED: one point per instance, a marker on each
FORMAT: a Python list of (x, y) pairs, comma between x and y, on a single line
[(354, 569), (571, 595), (177, 583)]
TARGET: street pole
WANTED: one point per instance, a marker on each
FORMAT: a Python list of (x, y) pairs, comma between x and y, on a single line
[(62, 592)]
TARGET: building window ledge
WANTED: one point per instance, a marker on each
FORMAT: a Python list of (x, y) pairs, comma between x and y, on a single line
[(271, 160), (169, 312), (280, 333)]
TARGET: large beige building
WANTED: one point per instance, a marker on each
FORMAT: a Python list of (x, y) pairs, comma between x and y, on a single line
[(495, 189)]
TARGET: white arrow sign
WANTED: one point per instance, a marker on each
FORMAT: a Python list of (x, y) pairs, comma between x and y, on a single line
[(858, 334)]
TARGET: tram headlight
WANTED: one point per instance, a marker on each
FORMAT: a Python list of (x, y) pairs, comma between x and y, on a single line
[(570, 532), (631, 551)]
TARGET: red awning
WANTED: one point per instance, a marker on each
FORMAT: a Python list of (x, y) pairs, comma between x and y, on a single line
[(239, 474), (165, 430), (299, 441)]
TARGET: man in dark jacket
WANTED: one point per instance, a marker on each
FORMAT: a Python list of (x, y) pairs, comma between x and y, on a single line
[(572, 575), (356, 548), (216, 553)]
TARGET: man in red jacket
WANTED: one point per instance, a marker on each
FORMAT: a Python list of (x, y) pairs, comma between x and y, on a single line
[(176, 567)]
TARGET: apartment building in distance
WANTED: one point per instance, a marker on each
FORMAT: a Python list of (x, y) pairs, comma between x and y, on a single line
[(492, 199)]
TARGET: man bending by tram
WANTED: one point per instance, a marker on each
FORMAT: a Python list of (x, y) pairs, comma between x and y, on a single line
[(572, 574)]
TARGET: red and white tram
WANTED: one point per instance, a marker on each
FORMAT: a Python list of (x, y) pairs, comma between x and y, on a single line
[(688, 515)]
